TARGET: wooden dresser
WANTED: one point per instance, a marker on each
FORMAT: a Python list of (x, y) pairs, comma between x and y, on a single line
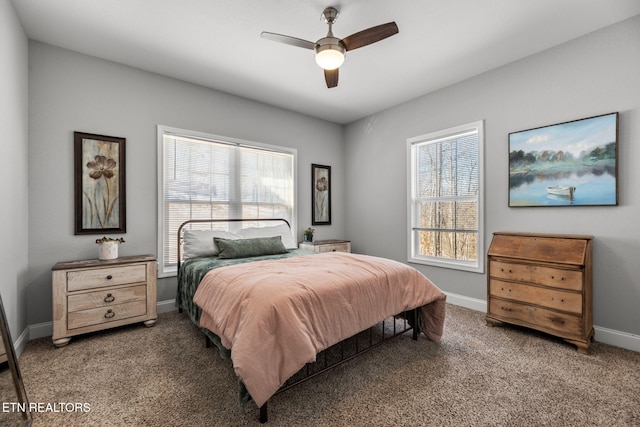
[(92, 295), (321, 246), (542, 281)]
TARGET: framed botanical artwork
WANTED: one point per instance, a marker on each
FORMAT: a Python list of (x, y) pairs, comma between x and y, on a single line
[(567, 164), (320, 195), (99, 172)]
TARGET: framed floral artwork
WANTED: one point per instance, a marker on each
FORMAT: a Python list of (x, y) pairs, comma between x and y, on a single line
[(321, 195), (99, 172)]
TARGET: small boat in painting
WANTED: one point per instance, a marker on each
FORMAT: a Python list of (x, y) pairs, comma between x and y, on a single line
[(558, 190)]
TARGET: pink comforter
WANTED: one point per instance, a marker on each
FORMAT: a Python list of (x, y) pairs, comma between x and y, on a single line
[(276, 315)]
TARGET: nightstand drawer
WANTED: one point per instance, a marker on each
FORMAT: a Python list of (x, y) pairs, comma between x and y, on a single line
[(336, 247), (333, 245), (95, 316), (106, 298), (100, 277)]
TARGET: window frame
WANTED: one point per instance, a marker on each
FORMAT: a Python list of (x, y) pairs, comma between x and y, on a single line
[(164, 271), (432, 137)]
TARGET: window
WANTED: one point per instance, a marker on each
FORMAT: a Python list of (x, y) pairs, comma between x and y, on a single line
[(204, 176), (445, 198)]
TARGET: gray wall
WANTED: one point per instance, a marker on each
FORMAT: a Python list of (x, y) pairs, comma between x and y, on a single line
[(14, 178), (595, 74), (74, 92)]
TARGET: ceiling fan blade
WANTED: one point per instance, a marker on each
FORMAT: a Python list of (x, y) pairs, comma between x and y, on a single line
[(293, 41), (331, 77), (370, 35)]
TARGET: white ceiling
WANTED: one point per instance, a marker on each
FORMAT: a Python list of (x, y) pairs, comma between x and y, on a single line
[(217, 43)]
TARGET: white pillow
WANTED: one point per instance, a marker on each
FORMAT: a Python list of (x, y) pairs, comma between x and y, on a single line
[(281, 230), (199, 243)]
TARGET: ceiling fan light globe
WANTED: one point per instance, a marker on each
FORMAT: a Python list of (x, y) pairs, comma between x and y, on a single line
[(329, 54), (329, 59)]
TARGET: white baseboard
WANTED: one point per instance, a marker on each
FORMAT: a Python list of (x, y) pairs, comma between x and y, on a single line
[(617, 338), (21, 342), (467, 302), (166, 306), (603, 335), (45, 329), (40, 330)]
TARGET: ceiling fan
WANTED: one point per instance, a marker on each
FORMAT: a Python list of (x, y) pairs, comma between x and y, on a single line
[(330, 50)]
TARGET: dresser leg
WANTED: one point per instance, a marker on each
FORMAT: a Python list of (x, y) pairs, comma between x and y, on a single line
[(492, 323), (150, 323), (583, 346), (61, 342)]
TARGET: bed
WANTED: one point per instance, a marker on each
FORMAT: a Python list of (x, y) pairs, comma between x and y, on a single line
[(276, 310)]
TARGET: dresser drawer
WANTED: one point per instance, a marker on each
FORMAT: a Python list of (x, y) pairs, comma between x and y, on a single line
[(101, 277), (106, 298), (336, 247), (95, 316), (548, 276), (550, 298), (562, 323)]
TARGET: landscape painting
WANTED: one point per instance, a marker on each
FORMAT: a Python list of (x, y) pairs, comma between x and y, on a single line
[(567, 164)]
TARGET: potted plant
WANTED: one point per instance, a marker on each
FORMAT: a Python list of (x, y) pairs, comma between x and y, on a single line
[(108, 247), (308, 234)]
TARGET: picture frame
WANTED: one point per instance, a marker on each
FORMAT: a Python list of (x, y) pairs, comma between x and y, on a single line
[(572, 163), (320, 195), (99, 174)]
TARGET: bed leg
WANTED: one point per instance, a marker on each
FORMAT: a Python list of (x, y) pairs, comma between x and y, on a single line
[(263, 413), (207, 341), (416, 324)]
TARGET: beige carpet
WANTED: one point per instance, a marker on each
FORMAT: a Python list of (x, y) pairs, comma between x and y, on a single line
[(477, 376)]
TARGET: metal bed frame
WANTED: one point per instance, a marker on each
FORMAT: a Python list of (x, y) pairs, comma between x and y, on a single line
[(409, 321)]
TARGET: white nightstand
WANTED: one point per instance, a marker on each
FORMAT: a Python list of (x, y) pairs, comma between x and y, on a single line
[(321, 246), (92, 295)]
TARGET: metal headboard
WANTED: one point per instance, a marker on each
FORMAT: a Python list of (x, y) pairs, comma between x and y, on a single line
[(211, 221)]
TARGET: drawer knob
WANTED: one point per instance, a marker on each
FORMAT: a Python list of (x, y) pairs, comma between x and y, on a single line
[(109, 314), (109, 298), (333, 250), (109, 277)]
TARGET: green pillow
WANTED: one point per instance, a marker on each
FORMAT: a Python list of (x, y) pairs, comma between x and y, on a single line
[(243, 248)]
